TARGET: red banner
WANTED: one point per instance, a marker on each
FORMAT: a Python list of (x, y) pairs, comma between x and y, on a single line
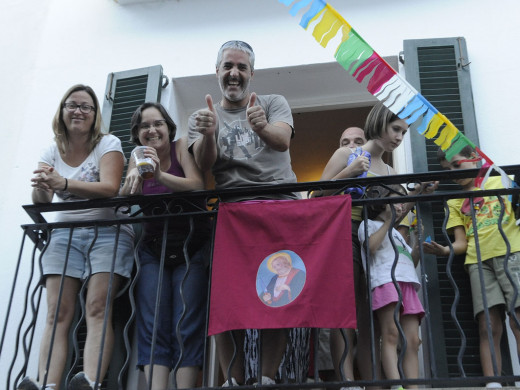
[(283, 264)]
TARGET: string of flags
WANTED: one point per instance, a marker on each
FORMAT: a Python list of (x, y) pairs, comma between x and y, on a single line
[(363, 63)]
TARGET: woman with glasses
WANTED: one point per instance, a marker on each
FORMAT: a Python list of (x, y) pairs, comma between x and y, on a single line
[(183, 281), (82, 163)]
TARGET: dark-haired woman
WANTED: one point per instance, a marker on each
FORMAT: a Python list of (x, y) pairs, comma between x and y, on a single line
[(175, 171)]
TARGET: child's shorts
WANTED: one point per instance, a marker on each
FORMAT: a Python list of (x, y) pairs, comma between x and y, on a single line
[(499, 291), (387, 293), (100, 255)]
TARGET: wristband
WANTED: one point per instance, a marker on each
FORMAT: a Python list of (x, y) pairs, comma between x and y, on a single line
[(66, 184)]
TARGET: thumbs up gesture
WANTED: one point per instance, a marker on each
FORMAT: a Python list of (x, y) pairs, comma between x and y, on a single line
[(206, 119), (255, 115)]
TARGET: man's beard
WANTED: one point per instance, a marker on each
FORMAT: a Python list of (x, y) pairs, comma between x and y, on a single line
[(232, 97)]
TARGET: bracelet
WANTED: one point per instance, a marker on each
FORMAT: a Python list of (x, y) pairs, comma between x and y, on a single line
[(66, 184)]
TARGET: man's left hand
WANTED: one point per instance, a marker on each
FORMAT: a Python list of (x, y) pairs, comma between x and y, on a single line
[(255, 115)]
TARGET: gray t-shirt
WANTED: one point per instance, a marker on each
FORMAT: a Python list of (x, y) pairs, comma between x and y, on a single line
[(243, 159)]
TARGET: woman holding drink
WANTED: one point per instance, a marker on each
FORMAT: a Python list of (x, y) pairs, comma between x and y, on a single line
[(174, 170), (82, 163)]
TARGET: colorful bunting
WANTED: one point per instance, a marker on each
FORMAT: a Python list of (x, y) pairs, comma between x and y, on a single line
[(363, 63)]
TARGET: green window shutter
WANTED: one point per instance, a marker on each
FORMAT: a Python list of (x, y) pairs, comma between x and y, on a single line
[(126, 91), (439, 69)]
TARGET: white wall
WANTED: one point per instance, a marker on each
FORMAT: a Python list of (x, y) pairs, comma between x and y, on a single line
[(48, 45)]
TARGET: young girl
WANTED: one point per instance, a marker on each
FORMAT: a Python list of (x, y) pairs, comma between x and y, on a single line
[(379, 256), (385, 132)]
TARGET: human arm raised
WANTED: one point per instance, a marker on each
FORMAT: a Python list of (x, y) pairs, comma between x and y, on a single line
[(276, 135), (205, 148), (376, 239)]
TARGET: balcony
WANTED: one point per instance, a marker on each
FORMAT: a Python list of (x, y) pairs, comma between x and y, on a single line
[(448, 356)]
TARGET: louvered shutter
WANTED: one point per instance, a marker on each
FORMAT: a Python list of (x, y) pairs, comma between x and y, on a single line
[(439, 69), (125, 92)]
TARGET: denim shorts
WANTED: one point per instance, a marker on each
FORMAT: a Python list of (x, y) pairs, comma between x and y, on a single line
[(499, 290), (82, 258), (194, 284)]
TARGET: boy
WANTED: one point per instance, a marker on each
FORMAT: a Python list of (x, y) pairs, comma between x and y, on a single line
[(499, 291)]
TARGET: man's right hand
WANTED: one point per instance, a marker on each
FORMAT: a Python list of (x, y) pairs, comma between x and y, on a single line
[(206, 120)]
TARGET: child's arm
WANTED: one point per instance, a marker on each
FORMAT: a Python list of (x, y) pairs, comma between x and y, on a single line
[(459, 245), (376, 239), (416, 255)]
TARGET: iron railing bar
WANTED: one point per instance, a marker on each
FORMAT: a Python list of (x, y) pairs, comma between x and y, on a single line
[(368, 285), (355, 202), (11, 295), (184, 306), (108, 307), (316, 346), (35, 210), (397, 310), (132, 316), (512, 309), (424, 289), (483, 286), (158, 301), (211, 243), (30, 326), (169, 201), (456, 298), (57, 311)]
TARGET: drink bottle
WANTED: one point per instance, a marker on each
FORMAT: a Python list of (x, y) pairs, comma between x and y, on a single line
[(357, 192)]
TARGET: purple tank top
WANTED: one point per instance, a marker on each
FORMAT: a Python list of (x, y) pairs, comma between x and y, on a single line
[(153, 187)]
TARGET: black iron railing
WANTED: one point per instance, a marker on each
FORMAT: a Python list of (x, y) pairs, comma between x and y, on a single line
[(440, 345)]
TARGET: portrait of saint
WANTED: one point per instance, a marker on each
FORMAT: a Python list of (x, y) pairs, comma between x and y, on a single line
[(281, 278)]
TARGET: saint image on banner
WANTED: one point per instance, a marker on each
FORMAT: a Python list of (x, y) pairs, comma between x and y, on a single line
[(314, 234), (280, 278)]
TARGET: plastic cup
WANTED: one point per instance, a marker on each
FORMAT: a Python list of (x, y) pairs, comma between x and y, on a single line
[(145, 165)]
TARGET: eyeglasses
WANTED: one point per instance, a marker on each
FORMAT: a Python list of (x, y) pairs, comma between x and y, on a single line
[(147, 126), (84, 108), (237, 43)]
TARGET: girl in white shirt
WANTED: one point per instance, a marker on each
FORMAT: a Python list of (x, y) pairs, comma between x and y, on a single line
[(379, 257)]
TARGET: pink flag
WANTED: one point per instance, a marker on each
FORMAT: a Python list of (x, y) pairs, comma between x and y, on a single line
[(283, 264)]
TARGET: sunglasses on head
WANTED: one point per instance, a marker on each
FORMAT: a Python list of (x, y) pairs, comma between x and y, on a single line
[(237, 43)]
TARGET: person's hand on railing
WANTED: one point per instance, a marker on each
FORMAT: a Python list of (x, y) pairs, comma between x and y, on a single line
[(133, 183), (426, 187)]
